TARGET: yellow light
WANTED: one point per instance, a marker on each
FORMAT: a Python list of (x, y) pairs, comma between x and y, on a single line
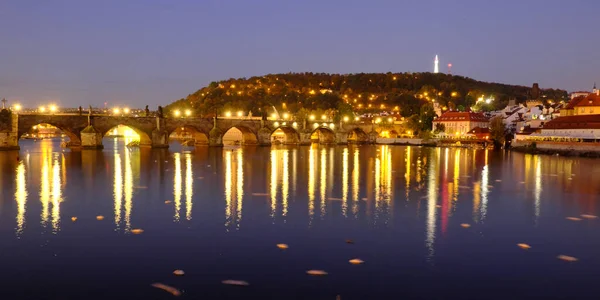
[(228, 114), (34, 127), (276, 124), (323, 117), (378, 120), (273, 116), (116, 111), (315, 125), (53, 108), (390, 120), (240, 113), (232, 86), (312, 92), (425, 93), (17, 107), (188, 112), (312, 117), (331, 125), (356, 118), (295, 124), (285, 116), (453, 94), (346, 119), (409, 132), (394, 78), (177, 113), (126, 110)]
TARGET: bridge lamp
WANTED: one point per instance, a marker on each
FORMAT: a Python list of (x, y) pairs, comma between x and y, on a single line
[(323, 117), (188, 112), (390, 120), (331, 125), (346, 119), (116, 111), (315, 125), (285, 116), (378, 120), (228, 114), (177, 113), (276, 124), (295, 124), (126, 110), (273, 116), (240, 113), (17, 107), (53, 108), (312, 117), (356, 118), (42, 109)]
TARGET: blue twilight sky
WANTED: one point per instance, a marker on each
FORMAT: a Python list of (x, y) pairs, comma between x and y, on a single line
[(137, 52)]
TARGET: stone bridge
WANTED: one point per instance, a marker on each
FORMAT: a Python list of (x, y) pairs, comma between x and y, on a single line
[(87, 131)]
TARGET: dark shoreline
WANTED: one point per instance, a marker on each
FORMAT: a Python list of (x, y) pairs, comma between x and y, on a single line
[(567, 153)]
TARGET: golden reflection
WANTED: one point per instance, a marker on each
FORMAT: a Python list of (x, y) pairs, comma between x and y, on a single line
[(432, 193), (323, 180), (45, 183), (189, 186), (485, 181), (456, 175), (118, 188), (273, 184), (407, 167), (355, 182), (177, 183), (56, 195), (228, 187), (21, 196), (128, 189), (345, 182), (234, 188), (311, 182), (476, 200), (286, 183), (383, 182)]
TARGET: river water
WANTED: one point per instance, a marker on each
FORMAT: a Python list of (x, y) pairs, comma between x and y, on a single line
[(218, 214)]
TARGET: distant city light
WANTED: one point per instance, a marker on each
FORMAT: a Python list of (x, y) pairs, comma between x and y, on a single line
[(346, 119), (273, 116), (177, 113), (285, 116), (356, 118), (331, 125), (390, 120), (42, 109), (240, 113), (378, 120), (295, 124), (116, 111), (228, 114), (312, 117), (126, 110), (323, 117), (276, 124), (53, 108), (17, 107), (315, 125), (188, 112)]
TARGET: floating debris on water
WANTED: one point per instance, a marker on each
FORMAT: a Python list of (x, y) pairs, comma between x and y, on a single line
[(282, 246), (170, 289), (260, 194), (235, 282), (490, 186), (573, 219), (464, 187), (334, 199), (349, 241), (438, 206), (137, 231), (356, 261), (524, 246), (522, 182), (168, 201), (498, 180), (179, 272), (465, 225), (73, 219), (316, 272), (99, 218), (589, 216), (365, 199), (567, 258), (200, 177)]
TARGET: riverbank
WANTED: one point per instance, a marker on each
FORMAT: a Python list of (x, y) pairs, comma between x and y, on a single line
[(558, 148)]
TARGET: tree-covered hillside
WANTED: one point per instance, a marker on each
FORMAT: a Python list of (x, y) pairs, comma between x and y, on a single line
[(394, 93)]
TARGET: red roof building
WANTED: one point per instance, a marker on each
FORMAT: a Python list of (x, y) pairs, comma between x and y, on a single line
[(461, 122)]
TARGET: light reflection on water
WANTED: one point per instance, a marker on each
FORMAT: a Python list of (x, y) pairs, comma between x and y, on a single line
[(421, 195)]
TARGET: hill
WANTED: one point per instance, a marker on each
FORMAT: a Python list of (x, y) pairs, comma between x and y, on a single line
[(391, 93)]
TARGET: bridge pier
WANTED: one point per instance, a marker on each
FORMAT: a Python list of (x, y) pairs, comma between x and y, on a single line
[(160, 138), (91, 138), (9, 130), (341, 137)]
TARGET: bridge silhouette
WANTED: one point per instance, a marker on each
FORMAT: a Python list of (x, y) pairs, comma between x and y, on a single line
[(87, 131)]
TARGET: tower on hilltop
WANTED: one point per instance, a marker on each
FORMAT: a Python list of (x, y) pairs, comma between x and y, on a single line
[(436, 62)]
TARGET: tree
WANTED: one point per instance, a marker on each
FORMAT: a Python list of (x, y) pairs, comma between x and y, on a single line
[(426, 116), (497, 131)]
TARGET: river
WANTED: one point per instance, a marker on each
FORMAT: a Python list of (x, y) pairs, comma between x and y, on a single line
[(429, 223)]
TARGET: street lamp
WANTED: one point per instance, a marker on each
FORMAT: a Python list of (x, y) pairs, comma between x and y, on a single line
[(346, 119), (240, 113), (116, 111), (312, 117), (126, 110), (177, 113), (285, 116), (188, 112), (17, 107), (356, 118), (228, 114), (42, 109), (53, 108)]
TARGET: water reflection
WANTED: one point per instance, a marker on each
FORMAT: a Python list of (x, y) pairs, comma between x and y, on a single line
[(234, 187), (355, 183), (432, 193), (50, 187), (21, 197), (311, 182), (122, 187)]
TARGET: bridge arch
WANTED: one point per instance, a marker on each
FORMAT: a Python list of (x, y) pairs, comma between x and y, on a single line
[(73, 135), (357, 136), (239, 135), (140, 135), (187, 133), (323, 135), (285, 135)]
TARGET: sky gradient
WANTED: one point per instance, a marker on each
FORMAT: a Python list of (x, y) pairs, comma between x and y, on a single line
[(138, 52)]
